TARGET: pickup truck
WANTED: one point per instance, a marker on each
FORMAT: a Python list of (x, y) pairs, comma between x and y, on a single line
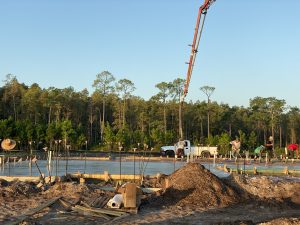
[(198, 151)]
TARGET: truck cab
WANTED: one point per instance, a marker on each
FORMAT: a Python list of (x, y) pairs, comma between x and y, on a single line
[(182, 148)]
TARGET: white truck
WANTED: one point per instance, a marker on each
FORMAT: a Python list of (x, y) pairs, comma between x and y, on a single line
[(184, 148)]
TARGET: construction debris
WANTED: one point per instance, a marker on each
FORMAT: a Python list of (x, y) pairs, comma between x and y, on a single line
[(115, 202), (188, 190)]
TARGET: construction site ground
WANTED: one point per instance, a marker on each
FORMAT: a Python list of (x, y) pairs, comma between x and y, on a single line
[(194, 196)]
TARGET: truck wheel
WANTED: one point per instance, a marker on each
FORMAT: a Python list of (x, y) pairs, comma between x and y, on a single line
[(170, 153), (205, 154)]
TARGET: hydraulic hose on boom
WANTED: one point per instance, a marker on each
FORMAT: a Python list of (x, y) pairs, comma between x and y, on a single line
[(197, 36)]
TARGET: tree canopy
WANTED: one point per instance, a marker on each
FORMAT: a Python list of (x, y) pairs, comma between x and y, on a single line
[(112, 115)]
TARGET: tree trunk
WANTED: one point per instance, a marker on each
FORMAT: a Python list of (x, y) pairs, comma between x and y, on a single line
[(143, 128), (49, 116), (124, 110), (91, 127), (58, 114), (120, 114), (103, 120), (208, 130), (100, 126), (165, 119), (280, 136), (180, 120), (65, 143), (272, 127), (201, 130), (15, 111), (35, 118)]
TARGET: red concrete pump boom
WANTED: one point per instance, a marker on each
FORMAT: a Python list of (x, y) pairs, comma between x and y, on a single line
[(197, 35)]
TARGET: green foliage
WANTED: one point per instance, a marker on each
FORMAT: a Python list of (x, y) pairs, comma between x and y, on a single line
[(252, 143), (67, 130), (30, 113), (137, 137), (223, 144), (20, 132), (120, 137), (6, 128), (170, 137), (243, 139), (53, 132), (109, 136), (212, 140), (81, 142), (30, 131), (279, 151), (157, 136)]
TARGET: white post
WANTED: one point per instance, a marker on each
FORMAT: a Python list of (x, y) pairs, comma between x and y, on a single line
[(286, 151), (49, 162), (214, 159)]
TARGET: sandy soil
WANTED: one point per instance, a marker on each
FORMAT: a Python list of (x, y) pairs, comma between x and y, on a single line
[(194, 196)]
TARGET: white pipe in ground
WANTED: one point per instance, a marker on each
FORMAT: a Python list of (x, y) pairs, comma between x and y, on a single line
[(115, 202)]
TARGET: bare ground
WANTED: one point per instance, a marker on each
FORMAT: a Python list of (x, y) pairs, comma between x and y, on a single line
[(194, 196)]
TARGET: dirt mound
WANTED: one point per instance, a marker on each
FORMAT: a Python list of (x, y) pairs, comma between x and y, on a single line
[(271, 190), (283, 221), (195, 186)]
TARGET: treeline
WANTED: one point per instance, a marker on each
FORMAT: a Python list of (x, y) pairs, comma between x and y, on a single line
[(111, 117)]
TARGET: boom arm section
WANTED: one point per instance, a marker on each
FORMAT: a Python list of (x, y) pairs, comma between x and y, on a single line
[(197, 35)]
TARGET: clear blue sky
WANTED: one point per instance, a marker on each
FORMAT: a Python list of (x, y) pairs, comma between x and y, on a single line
[(249, 48)]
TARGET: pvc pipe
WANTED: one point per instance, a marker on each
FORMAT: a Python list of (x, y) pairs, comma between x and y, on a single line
[(286, 151), (115, 202), (214, 160)]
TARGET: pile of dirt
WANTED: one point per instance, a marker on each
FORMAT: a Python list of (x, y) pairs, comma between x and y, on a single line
[(283, 221), (194, 186), (270, 189)]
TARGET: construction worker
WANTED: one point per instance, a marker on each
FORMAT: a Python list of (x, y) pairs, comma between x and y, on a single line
[(258, 151), (269, 146), (235, 147), (291, 149)]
